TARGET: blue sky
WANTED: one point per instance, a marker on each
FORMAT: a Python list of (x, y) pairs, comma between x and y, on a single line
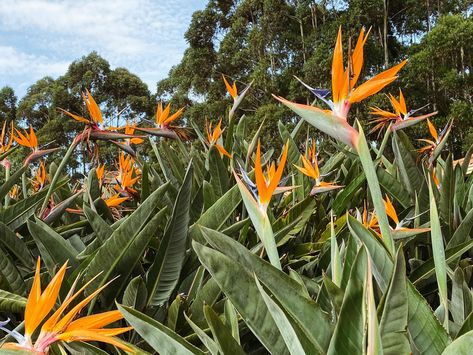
[(42, 37)]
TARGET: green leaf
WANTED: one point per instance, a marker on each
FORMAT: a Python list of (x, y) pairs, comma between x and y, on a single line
[(159, 337), (7, 185), (121, 242), (393, 323), (52, 245), (348, 337), (239, 286), (424, 328), (345, 196), (204, 338), (410, 174), (16, 246), (462, 233), (382, 262), (261, 223), (164, 273), (136, 294), (11, 274), (375, 190), (222, 335), (393, 187), (373, 333), (284, 325), (289, 293), (438, 251), (10, 302), (428, 267), (216, 216), (219, 177), (461, 345)]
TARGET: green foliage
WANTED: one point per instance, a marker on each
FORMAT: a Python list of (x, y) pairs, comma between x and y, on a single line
[(193, 260)]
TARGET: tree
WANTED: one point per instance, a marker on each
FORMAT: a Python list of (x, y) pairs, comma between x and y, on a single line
[(7, 104)]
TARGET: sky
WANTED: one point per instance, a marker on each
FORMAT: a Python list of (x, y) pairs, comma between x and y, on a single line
[(42, 37)]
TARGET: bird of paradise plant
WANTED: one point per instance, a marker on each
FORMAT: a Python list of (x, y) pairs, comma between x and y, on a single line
[(92, 131), (311, 169), (214, 137), (237, 98), (257, 201), (126, 145), (401, 118), (28, 139), (127, 176), (93, 125), (6, 140), (434, 147), (399, 229), (163, 124), (333, 121), (369, 220), (63, 324), (40, 176)]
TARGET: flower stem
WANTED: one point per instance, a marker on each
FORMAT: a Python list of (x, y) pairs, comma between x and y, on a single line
[(64, 160), (7, 176), (375, 190)]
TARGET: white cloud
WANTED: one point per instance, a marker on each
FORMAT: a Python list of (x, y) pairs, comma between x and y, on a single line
[(145, 36), (13, 62)]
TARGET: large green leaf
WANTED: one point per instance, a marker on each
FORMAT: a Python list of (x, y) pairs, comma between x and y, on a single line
[(52, 246), (424, 328), (219, 177), (290, 294), (239, 286), (349, 334), (204, 338), (382, 262), (428, 267), (438, 251), (393, 187), (284, 325), (16, 246), (121, 241), (164, 273), (393, 325), (344, 197), (11, 275), (216, 216), (10, 302), (461, 346), (159, 337), (222, 335)]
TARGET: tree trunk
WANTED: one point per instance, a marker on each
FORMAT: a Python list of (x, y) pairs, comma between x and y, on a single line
[(385, 33)]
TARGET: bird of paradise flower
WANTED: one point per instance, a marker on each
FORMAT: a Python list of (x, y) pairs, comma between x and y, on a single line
[(63, 324)]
